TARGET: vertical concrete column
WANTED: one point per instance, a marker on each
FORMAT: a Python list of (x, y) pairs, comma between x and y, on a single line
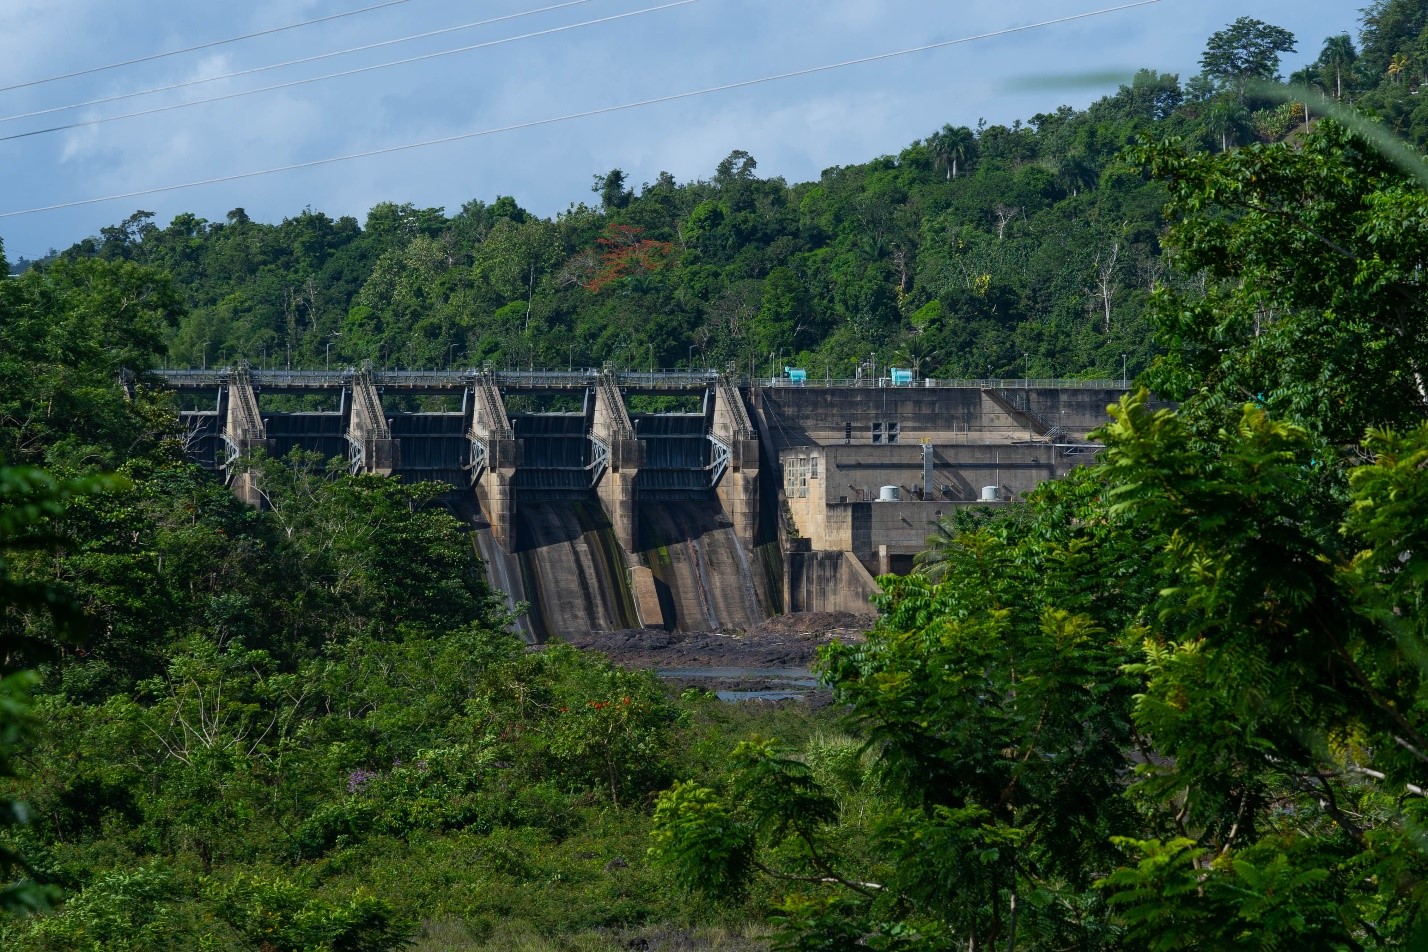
[(615, 435), (373, 449), (493, 439), (738, 488), (243, 432)]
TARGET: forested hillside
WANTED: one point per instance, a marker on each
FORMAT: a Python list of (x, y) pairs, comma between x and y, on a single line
[(993, 250)]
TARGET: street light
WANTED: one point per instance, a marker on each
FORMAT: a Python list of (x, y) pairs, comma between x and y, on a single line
[(1025, 371), (1123, 371), (691, 357), (450, 355)]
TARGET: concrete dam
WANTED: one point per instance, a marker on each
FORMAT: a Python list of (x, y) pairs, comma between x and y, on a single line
[(684, 501)]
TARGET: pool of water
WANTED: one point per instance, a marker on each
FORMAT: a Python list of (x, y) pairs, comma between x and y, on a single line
[(758, 695), (764, 684)]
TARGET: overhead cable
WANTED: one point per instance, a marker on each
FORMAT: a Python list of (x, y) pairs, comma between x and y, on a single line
[(82, 123), (296, 62), (201, 46), (604, 110)]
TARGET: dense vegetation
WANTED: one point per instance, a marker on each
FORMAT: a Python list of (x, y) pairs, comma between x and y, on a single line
[(1175, 701)]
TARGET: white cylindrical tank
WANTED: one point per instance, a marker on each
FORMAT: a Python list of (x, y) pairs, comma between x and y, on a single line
[(889, 494), (991, 493)]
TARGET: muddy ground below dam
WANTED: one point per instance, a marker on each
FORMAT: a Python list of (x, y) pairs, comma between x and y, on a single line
[(770, 662)]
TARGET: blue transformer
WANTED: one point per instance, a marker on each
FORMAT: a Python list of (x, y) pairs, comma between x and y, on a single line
[(796, 374)]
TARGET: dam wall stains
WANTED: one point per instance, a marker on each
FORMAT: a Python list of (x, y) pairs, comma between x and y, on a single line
[(704, 577), (573, 570)]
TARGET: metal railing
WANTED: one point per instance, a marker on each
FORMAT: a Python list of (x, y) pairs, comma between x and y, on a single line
[(957, 383), (583, 379)]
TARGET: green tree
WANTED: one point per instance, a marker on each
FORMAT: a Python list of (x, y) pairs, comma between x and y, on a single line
[(949, 146), (1337, 57), (1246, 50), (30, 499), (277, 915), (1314, 308), (612, 191), (998, 723), (74, 336)]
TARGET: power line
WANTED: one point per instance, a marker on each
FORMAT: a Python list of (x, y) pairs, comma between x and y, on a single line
[(347, 72), (201, 46), (296, 62), (604, 110)]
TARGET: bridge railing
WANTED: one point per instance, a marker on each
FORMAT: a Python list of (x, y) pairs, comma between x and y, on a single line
[(424, 379), (215, 377), (959, 383), (546, 379), (668, 379), (580, 379)]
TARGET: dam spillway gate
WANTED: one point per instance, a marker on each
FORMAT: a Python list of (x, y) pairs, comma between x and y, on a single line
[(598, 517)]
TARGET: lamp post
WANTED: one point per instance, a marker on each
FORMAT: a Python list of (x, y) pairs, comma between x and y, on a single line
[(203, 359), (1025, 371), (1123, 371), (691, 357)]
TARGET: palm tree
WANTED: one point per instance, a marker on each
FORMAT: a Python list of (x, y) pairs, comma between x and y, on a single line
[(1397, 66), (1225, 120), (950, 145), (1075, 172), (1338, 54)]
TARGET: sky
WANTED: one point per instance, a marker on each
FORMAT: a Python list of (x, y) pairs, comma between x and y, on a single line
[(547, 59)]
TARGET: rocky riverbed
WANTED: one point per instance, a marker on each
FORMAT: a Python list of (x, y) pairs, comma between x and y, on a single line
[(770, 662)]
